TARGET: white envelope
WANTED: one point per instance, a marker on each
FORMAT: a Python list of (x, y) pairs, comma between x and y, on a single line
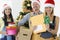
[(38, 28)]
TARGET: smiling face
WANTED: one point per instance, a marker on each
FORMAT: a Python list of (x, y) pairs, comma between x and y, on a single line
[(48, 10), (36, 6), (7, 11)]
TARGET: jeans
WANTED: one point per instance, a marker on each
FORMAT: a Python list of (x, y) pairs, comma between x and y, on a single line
[(3, 38), (10, 37)]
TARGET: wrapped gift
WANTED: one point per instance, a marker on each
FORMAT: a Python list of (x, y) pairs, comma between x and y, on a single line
[(11, 29), (37, 24), (46, 20)]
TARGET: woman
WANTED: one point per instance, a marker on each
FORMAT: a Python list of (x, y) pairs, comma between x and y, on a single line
[(53, 22), (7, 19)]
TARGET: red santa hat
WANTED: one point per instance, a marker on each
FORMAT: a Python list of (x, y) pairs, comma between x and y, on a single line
[(6, 5), (49, 3), (37, 1)]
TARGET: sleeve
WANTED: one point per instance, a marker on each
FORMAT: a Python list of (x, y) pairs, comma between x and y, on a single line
[(1, 24), (25, 18)]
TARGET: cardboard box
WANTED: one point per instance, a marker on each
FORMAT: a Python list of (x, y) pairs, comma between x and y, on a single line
[(36, 24), (35, 37), (24, 34)]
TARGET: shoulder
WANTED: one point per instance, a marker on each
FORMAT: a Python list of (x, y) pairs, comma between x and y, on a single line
[(1, 24), (27, 15), (1, 21), (57, 18)]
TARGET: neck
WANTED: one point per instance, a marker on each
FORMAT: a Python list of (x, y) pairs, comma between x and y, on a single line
[(51, 17), (8, 16)]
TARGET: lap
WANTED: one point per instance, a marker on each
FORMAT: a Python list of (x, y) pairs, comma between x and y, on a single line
[(4, 38)]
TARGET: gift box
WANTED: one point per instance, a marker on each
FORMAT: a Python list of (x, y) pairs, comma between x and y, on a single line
[(11, 29)]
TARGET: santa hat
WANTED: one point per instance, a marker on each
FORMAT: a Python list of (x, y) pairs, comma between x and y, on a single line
[(6, 5), (49, 3), (37, 1)]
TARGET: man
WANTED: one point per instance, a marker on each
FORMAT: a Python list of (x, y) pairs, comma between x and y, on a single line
[(36, 11)]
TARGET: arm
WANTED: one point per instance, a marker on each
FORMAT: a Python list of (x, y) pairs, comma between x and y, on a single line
[(25, 18), (1, 24), (2, 32), (56, 26)]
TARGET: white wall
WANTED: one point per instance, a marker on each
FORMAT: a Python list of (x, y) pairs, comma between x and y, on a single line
[(17, 7)]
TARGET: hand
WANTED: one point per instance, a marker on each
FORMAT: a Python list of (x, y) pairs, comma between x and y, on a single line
[(2, 32), (17, 37), (47, 26), (34, 28), (5, 33)]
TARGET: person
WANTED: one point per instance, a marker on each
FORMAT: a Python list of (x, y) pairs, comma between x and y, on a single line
[(36, 11), (52, 26), (8, 18), (25, 10)]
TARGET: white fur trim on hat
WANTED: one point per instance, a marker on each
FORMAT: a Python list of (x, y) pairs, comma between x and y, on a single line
[(49, 5), (6, 6), (34, 1)]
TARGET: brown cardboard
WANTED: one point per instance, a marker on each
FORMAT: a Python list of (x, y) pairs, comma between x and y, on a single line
[(24, 34), (37, 20)]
